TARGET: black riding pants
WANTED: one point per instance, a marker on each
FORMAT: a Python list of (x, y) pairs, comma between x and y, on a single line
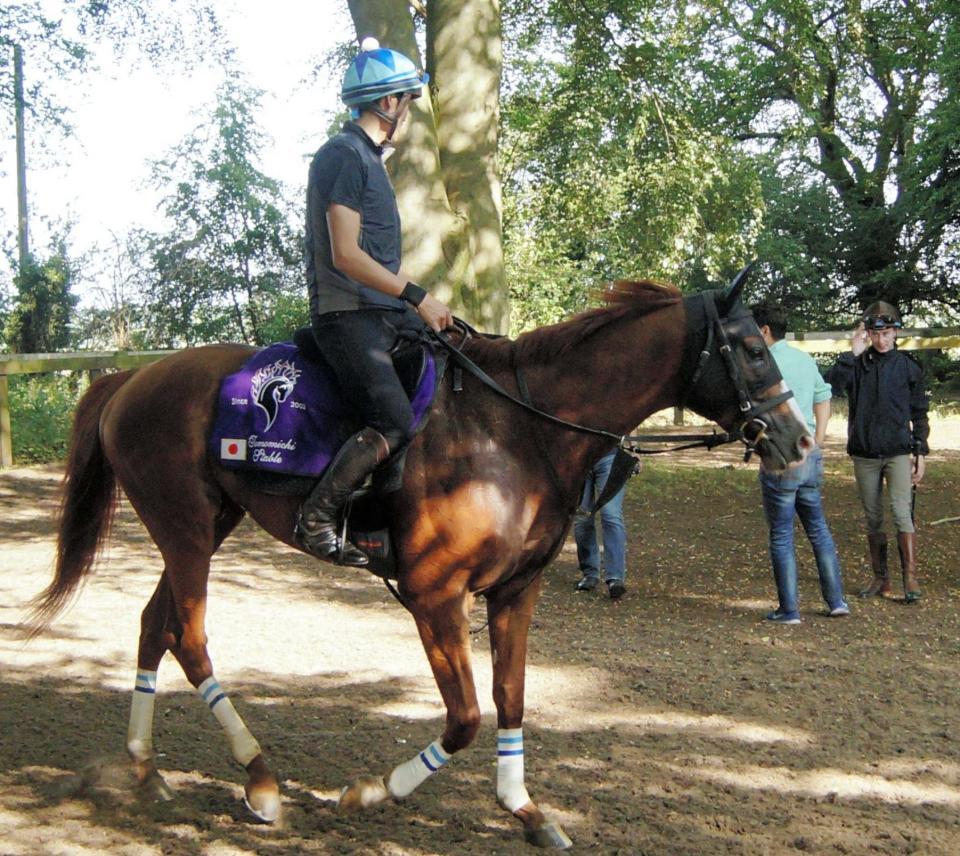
[(356, 344)]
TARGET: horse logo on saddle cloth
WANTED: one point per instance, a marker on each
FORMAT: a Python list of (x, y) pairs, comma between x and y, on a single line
[(281, 419)]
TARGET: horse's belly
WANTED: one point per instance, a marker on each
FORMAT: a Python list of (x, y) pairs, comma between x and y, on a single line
[(477, 532)]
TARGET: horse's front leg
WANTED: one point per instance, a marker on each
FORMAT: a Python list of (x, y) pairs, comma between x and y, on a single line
[(444, 631), (509, 616)]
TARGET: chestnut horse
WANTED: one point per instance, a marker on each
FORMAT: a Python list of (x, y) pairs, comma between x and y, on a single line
[(488, 493)]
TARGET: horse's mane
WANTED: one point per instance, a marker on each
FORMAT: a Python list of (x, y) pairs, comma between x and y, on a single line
[(623, 299)]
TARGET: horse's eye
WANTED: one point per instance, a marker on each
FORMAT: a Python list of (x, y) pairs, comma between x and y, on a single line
[(756, 351)]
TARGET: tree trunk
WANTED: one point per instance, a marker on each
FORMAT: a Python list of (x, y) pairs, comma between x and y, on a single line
[(444, 170), (23, 232)]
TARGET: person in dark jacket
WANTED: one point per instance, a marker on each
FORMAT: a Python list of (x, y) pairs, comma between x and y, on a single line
[(886, 437)]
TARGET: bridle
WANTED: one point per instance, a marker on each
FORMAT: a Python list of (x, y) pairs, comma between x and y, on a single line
[(751, 432), (753, 429)]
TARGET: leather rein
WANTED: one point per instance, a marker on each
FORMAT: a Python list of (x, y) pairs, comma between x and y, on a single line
[(751, 432)]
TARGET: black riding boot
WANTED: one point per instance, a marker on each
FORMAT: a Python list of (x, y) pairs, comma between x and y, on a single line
[(316, 529)]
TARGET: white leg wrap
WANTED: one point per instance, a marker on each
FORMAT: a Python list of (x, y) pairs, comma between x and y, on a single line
[(242, 743), (511, 791), (140, 730), (417, 770)]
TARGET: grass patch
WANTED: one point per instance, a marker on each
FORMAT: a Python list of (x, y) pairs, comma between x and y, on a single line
[(41, 413)]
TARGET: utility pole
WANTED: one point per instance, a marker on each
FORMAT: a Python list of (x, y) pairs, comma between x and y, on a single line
[(23, 236), (23, 243)]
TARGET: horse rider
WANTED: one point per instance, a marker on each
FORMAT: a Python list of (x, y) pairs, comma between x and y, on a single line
[(361, 301)]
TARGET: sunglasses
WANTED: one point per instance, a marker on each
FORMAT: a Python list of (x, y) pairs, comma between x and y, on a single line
[(881, 322)]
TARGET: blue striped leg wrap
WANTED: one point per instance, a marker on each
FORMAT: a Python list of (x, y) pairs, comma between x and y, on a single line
[(242, 743), (140, 728), (211, 692), (146, 682), (511, 791), (405, 778)]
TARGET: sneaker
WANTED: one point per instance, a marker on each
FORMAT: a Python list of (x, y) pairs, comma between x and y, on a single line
[(840, 611), (617, 589), (586, 584), (778, 617)]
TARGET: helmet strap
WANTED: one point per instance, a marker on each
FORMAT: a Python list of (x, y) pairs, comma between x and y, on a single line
[(396, 116)]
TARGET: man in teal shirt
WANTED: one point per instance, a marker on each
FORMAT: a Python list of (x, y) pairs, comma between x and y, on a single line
[(796, 492)]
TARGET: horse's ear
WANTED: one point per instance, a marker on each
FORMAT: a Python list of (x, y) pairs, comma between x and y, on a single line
[(731, 294)]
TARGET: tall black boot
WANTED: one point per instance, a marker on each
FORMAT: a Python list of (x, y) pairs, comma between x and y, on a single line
[(316, 529)]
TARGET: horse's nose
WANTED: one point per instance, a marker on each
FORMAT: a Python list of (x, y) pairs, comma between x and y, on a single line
[(805, 445)]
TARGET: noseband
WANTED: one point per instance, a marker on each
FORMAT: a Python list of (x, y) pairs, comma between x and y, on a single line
[(753, 429)]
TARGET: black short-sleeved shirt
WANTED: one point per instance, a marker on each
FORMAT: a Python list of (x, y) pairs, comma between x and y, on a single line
[(348, 170)]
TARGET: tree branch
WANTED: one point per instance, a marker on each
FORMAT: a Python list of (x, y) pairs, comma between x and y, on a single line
[(759, 135)]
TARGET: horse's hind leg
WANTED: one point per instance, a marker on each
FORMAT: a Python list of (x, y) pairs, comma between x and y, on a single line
[(173, 621), (509, 622), (157, 636)]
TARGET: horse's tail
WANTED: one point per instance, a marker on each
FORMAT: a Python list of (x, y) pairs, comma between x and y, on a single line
[(88, 501)]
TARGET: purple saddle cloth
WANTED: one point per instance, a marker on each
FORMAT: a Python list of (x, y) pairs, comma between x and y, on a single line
[(283, 413)]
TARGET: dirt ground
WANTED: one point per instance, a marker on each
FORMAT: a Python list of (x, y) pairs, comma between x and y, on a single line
[(675, 721)]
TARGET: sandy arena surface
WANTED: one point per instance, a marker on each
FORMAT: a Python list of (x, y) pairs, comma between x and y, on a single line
[(673, 722)]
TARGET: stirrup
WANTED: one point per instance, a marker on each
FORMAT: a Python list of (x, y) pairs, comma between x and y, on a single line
[(336, 551), (328, 546), (347, 553)]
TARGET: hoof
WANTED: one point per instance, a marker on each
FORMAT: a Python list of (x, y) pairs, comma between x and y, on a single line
[(263, 803), (150, 783), (363, 793), (550, 835), (261, 792), (155, 787)]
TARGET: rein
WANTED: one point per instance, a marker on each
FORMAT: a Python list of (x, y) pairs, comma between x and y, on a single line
[(751, 432), (623, 441), (627, 442)]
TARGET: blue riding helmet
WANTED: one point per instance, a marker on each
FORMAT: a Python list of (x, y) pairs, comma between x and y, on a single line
[(376, 72)]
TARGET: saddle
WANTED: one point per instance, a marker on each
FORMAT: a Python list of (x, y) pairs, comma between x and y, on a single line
[(281, 419)]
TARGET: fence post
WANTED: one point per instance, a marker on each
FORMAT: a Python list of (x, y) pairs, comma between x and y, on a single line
[(6, 437)]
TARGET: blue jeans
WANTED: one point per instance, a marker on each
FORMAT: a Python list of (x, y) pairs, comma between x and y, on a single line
[(797, 492), (611, 523)]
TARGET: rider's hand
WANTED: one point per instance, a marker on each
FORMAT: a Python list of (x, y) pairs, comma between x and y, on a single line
[(859, 341), (436, 314)]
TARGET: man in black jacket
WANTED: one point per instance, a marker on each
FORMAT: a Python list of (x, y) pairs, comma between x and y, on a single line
[(886, 437)]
